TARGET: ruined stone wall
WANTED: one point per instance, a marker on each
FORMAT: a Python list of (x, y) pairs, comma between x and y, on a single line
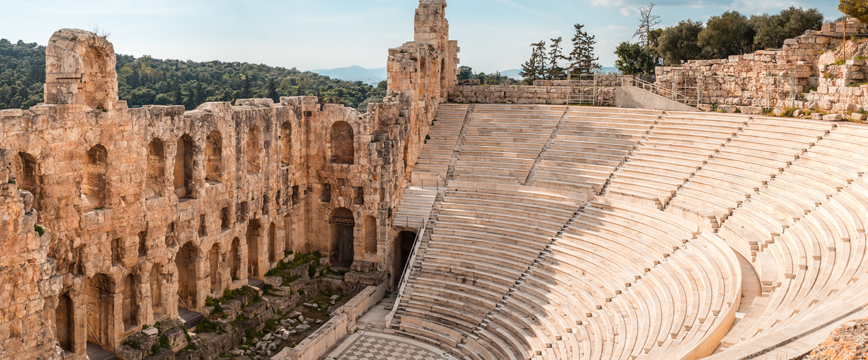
[(777, 78), (156, 207), (524, 94), (29, 288)]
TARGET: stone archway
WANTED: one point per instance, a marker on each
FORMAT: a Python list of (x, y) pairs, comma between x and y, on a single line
[(343, 226), (99, 304), (254, 230), (185, 261), (235, 259), (63, 320)]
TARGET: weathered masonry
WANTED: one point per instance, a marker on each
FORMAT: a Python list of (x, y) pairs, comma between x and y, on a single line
[(142, 211)]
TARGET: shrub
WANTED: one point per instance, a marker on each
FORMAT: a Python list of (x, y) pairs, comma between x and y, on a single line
[(39, 230)]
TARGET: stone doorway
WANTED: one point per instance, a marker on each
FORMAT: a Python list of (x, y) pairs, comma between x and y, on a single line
[(343, 225), (185, 261), (403, 246), (253, 236)]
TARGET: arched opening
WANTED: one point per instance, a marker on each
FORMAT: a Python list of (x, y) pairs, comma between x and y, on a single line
[(403, 246), (156, 169), (254, 150), (286, 143), (287, 234), (272, 244), (214, 158), (63, 322), (26, 172), (370, 235), (93, 183), (184, 168), (96, 78), (253, 236), (185, 261), (129, 305), (214, 263), (343, 224), (343, 151), (235, 259), (157, 302), (99, 302)]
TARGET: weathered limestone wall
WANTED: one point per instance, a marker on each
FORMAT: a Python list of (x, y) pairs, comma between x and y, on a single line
[(156, 207), (29, 288), (766, 78), (524, 94)]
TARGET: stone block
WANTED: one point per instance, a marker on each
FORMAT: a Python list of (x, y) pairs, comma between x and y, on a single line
[(833, 117), (177, 339), (857, 116)]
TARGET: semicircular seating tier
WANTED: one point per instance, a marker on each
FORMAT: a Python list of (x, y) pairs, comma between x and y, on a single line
[(560, 232)]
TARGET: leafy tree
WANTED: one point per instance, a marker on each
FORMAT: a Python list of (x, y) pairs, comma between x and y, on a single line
[(725, 35), (679, 43), (245, 88), (855, 8), (535, 67), (647, 24), (581, 58), (772, 30), (188, 83), (634, 59), (556, 54), (465, 73), (654, 40)]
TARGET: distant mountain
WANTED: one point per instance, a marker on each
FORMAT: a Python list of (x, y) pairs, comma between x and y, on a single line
[(355, 73)]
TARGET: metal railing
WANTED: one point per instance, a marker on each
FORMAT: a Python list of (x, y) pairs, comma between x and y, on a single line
[(671, 93), (405, 276)]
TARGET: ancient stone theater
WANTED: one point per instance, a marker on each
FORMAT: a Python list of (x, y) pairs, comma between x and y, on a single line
[(449, 221)]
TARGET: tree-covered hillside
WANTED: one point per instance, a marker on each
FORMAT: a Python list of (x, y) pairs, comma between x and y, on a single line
[(149, 81)]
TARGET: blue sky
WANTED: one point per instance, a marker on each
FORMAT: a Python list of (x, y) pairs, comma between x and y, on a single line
[(317, 34)]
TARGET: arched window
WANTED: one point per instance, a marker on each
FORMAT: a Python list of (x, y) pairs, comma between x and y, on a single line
[(342, 143), (156, 169), (214, 158), (286, 143), (370, 235), (26, 172), (343, 225), (254, 150), (93, 184), (184, 168)]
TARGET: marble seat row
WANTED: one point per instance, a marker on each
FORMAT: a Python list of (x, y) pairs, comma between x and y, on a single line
[(589, 146), (629, 288), (674, 149)]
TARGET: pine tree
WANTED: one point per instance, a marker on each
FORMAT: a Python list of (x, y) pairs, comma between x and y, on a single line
[(199, 94), (855, 8), (556, 54), (176, 96), (535, 67), (272, 91), (581, 59), (245, 88), (647, 23)]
